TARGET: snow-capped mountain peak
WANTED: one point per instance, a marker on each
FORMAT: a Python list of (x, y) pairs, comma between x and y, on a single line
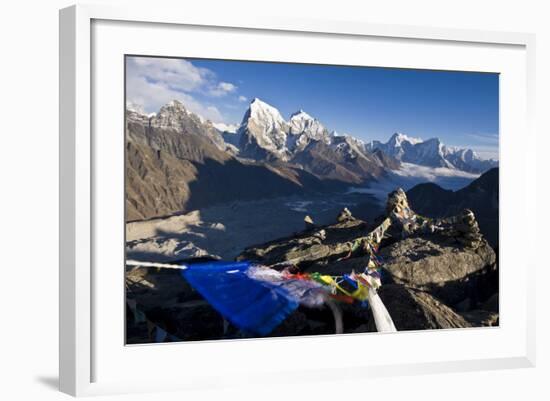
[(303, 129), (300, 115), (301, 121), (398, 138), (136, 112), (135, 107), (263, 113), (173, 107), (263, 132), (466, 155), (265, 135), (173, 115)]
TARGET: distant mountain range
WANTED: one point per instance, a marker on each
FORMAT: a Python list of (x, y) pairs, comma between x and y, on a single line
[(432, 153), (264, 134), (177, 160)]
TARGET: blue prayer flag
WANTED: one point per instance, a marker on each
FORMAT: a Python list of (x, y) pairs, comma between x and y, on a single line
[(252, 305)]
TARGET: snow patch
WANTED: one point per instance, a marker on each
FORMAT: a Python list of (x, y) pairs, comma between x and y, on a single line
[(222, 127)]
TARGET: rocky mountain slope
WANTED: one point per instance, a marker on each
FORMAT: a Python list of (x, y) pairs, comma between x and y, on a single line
[(481, 196), (177, 161), (342, 160)]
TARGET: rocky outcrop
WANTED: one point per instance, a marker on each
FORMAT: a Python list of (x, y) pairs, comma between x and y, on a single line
[(430, 279), (412, 309), (441, 273), (307, 248)]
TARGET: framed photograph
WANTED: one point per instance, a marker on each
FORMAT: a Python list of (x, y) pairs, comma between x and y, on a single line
[(264, 191)]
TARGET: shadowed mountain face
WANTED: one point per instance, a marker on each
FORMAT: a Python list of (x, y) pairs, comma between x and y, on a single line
[(176, 161), (157, 183), (344, 163), (171, 170), (481, 196)]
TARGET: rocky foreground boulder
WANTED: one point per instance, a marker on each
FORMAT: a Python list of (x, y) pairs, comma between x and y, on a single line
[(442, 268), (436, 274), (412, 309)]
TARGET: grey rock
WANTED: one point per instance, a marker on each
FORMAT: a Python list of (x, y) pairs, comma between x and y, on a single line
[(412, 309), (308, 247), (464, 305), (438, 265), (491, 304), (479, 318), (344, 215)]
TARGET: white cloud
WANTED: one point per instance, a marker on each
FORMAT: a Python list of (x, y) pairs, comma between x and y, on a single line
[(222, 89), (226, 86), (242, 98), (176, 74), (486, 138), (152, 82), (152, 96), (484, 144), (487, 152)]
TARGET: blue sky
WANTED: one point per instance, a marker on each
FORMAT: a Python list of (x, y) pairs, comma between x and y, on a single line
[(460, 108)]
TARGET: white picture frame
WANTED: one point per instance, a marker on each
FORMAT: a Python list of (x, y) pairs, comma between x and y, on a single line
[(84, 327)]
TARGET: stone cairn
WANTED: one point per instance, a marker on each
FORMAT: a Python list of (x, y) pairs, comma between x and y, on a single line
[(308, 221), (462, 227), (344, 215)]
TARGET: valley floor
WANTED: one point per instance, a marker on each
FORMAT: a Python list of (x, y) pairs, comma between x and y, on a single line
[(225, 230)]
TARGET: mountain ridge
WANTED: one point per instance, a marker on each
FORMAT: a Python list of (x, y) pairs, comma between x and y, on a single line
[(173, 167), (432, 153), (265, 135), (177, 154)]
